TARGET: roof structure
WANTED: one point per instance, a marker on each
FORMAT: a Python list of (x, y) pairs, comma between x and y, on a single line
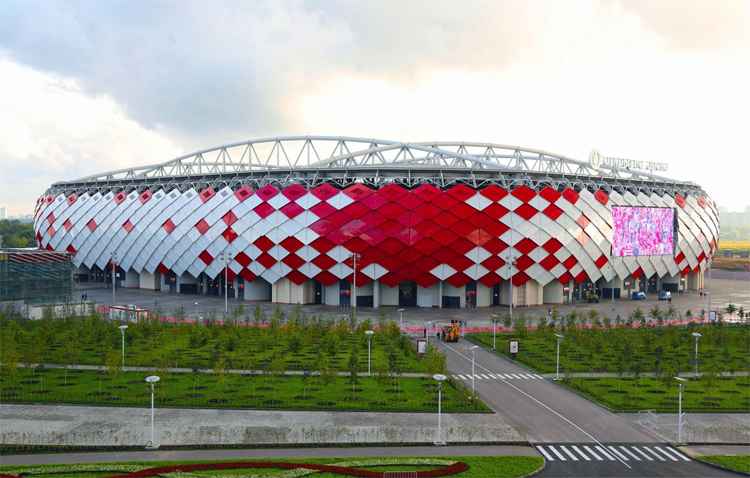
[(313, 159)]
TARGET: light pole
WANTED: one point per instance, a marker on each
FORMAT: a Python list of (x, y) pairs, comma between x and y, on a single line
[(354, 284), (123, 328), (224, 257), (151, 380), (557, 369), (440, 378), (428, 325), (697, 336), (473, 370), (401, 318), (705, 287), (369, 334), (680, 382), (511, 263), (114, 275), (197, 321)]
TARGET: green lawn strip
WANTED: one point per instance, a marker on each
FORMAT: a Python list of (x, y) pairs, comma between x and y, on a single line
[(199, 390), (299, 344), (630, 394), (479, 467), (724, 348), (739, 463)]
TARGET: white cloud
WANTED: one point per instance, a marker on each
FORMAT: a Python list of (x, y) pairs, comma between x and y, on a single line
[(52, 131)]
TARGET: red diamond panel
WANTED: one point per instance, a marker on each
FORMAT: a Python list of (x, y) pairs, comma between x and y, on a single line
[(524, 193), (601, 196), (525, 245), (458, 279), (526, 211), (292, 210), (565, 278), (91, 225), (524, 262), (493, 263), (267, 192), (127, 225), (601, 261), (491, 279), (263, 209), (495, 246), (323, 209), (552, 212), (67, 225), (294, 191), (207, 194), (229, 218), (242, 259), (229, 235), (293, 260), (322, 244), (520, 279), (570, 195), (391, 192), (243, 193), (358, 191), (206, 257), (168, 226), (263, 243), (326, 278), (266, 260), (297, 277), (426, 192), (570, 262), (583, 221), (549, 262), (461, 192), (202, 226), (493, 192), (324, 191), (550, 194), (324, 261), (292, 244), (247, 275), (679, 200)]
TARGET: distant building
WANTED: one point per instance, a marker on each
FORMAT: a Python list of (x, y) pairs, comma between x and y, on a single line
[(3, 213), (35, 276)]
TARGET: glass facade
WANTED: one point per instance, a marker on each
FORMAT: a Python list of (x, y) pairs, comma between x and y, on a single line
[(35, 276)]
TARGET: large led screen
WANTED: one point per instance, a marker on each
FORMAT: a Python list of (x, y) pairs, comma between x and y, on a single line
[(643, 231)]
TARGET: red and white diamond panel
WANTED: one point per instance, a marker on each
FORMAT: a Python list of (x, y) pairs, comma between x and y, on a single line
[(424, 234)]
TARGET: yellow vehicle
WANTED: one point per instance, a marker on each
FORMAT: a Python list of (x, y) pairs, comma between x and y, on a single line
[(450, 332)]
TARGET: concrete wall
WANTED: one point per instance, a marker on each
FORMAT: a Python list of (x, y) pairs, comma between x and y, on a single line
[(484, 295), (258, 289), (132, 280), (120, 426), (285, 291), (150, 281), (388, 295), (427, 296), (553, 293), (331, 293), (450, 291)]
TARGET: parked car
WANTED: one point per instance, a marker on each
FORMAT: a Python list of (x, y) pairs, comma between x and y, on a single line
[(638, 295), (665, 295)]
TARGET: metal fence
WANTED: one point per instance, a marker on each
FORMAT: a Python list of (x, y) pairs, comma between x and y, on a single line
[(35, 276)]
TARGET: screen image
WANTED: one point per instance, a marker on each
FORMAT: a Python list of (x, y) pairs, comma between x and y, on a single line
[(643, 231)]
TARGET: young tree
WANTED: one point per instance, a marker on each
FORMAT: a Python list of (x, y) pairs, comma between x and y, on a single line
[(353, 366), (112, 363)]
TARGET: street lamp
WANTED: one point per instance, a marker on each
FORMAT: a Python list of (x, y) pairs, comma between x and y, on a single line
[(123, 328), (557, 370), (369, 334), (473, 370), (225, 257), (114, 274), (697, 336), (428, 325), (401, 318), (354, 284), (151, 380), (440, 378), (196, 313), (705, 287), (680, 382)]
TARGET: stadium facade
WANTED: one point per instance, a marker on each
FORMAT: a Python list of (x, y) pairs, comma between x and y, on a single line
[(429, 224)]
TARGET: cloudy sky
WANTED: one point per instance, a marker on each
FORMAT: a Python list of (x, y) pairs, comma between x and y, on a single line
[(89, 86)]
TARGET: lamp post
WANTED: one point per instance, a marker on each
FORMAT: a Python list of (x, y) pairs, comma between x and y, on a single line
[(123, 328), (224, 257), (705, 287), (473, 370), (440, 378), (697, 336), (680, 382), (114, 275), (354, 283), (557, 369), (197, 321), (369, 334), (401, 318), (151, 380), (428, 325)]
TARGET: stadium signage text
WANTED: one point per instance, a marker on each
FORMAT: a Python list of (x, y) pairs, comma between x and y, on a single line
[(597, 160)]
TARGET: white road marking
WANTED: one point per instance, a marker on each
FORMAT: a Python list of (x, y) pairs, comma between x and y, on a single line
[(678, 453), (578, 450), (528, 376), (642, 453), (540, 403), (658, 456), (593, 453), (625, 449), (557, 453), (604, 452), (614, 450), (567, 452), (485, 376), (501, 376), (515, 376), (665, 453), (539, 376), (544, 452)]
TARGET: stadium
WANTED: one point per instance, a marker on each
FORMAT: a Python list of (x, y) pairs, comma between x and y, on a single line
[(331, 220)]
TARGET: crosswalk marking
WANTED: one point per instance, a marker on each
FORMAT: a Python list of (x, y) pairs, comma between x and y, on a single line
[(567, 452), (604, 452), (492, 375), (557, 453), (679, 455), (485, 377), (538, 376), (665, 453), (633, 455), (499, 376), (547, 456), (643, 454), (593, 453), (515, 376), (578, 450), (621, 453)]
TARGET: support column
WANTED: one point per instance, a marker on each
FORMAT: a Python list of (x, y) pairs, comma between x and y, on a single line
[(178, 284), (375, 294), (440, 294), (570, 292)]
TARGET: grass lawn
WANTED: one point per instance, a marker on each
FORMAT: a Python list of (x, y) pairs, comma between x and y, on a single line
[(733, 462), (479, 467), (234, 391), (722, 348), (628, 394), (291, 343)]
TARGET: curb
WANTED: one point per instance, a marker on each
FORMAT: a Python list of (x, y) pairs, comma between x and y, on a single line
[(699, 459)]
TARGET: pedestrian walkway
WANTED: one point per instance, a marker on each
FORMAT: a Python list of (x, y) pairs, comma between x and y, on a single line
[(498, 376), (592, 452)]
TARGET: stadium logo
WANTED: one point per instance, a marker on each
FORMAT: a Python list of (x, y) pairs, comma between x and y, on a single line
[(595, 159)]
